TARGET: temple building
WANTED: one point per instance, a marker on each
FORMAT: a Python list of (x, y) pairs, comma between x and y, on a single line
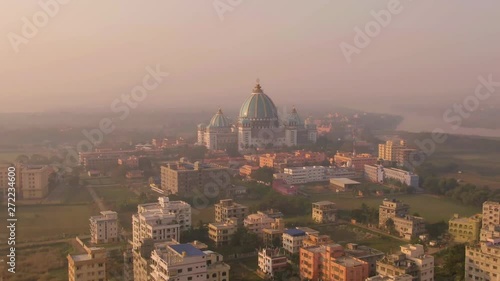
[(258, 126)]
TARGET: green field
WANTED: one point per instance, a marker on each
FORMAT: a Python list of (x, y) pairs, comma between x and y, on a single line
[(239, 272), (43, 222)]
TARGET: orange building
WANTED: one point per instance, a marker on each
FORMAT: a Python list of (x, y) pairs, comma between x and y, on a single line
[(247, 170), (329, 263)]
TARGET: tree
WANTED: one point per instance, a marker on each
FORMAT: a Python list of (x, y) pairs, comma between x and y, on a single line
[(390, 225), (264, 174)]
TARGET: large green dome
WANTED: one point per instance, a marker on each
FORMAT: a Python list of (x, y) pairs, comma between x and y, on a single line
[(258, 106)]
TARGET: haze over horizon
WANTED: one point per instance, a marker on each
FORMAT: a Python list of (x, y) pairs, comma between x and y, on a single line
[(90, 53)]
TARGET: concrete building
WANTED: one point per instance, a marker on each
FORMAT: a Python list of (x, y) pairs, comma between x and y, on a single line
[(491, 214), (391, 208), (222, 232), (316, 239), (255, 223), (409, 227), (34, 181), (364, 253), (412, 261), (4, 179), (380, 174), (184, 178), (180, 209), (404, 277), (465, 230), (227, 209), (90, 266), (293, 238), (247, 170), (271, 261), (329, 263), (344, 183), (324, 212), (482, 261), (174, 261), (152, 222), (273, 235), (354, 161), (104, 228), (424, 262), (219, 134), (390, 150)]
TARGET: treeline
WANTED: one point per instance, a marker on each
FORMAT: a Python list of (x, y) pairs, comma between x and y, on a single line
[(290, 206), (467, 194)]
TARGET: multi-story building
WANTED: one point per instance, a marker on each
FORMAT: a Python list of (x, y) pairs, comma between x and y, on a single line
[(424, 262), (180, 209), (271, 261), (222, 232), (308, 174), (491, 231), (34, 182), (132, 162), (404, 277), (316, 239), (465, 229), (482, 261), (329, 263), (397, 265), (273, 235), (491, 213), (247, 170), (227, 209), (405, 156), (4, 179), (409, 227), (378, 173), (354, 161), (104, 228), (412, 261), (255, 223), (390, 209), (184, 178), (367, 254), (324, 212), (293, 238), (89, 266), (174, 261), (389, 151), (219, 134)]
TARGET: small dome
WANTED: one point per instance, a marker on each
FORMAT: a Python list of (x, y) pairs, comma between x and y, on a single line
[(258, 106), (219, 120), (294, 118)]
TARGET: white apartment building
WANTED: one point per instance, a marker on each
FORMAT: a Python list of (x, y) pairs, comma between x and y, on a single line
[(90, 266), (180, 209), (292, 238), (377, 173), (154, 223), (271, 261), (104, 228), (482, 262), (185, 262), (425, 263), (307, 174), (257, 222), (222, 232), (491, 213)]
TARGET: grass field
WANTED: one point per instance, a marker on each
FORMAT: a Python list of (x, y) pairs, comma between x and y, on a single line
[(240, 273), (43, 222)]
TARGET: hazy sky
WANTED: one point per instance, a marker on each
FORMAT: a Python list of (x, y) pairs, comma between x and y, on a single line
[(91, 52)]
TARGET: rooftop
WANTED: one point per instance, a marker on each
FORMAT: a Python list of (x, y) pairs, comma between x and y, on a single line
[(348, 261), (295, 232), (344, 181), (189, 249), (323, 203)]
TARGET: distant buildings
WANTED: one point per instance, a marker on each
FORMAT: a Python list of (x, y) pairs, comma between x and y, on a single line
[(89, 266), (33, 180), (104, 228), (367, 254), (257, 126), (389, 150), (354, 161), (378, 173), (465, 230), (390, 209), (271, 261), (491, 214), (227, 209), (309, 174), (174, 261), (184, 178), (247, 170), (324, 212)]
